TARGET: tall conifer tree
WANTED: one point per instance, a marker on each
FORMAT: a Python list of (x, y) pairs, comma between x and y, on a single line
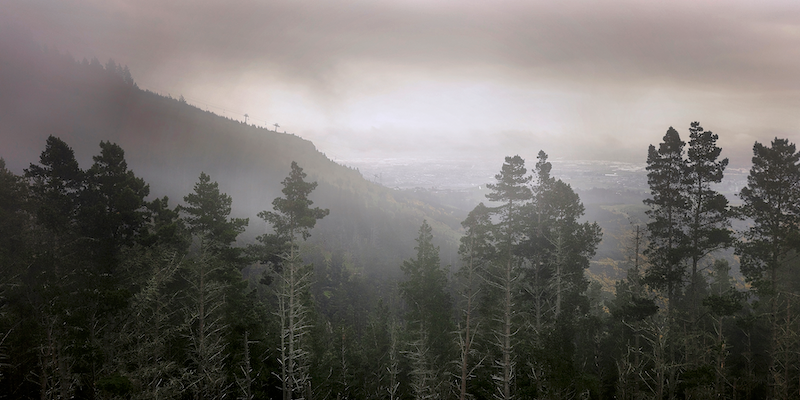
[(429, 315), (708, 218), (771, 200), (476, 251), (215, 283), (292, 221), (512, 192), (666, 167)]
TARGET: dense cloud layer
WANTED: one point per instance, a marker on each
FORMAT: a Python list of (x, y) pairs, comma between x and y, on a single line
[(581, 79)]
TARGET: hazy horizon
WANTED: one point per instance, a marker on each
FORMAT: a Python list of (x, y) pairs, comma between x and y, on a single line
[(581, 80)]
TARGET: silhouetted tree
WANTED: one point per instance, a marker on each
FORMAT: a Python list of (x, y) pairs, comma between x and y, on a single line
[(292, 220), (214, 296), (476, 252), (512, 192), (667, 212), (771, 200), (708, 218), (428, 316)]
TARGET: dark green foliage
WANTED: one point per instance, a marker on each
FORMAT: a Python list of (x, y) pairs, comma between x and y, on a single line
[(768, 252), (476, 250), (207, 215), (707, 223), (115, 199), (115, 385), (294, 215), (167, 227), (217, 312), (103, 296), (532, 252), (511, 191), (167, 141), (56, 184), (636, 308), (14, 220), (668, 203), (73, 290), (772, 201), (476, 244), (709, 219), (428, 303), (428, 318)]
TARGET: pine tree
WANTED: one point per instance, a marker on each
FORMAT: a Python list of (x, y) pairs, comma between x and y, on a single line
[(115, 204), (207, 212), (56, 185), (476, 252), (708, 218), (538, 246), (667, 211), (771, 200), (723, 302), (292, 220), (214, 299), (632, 305), (17, 340), (558, 249), (152, 360), (512, 192), (428, 315)]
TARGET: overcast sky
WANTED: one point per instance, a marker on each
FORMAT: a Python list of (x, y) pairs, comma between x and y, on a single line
[(578, 79)]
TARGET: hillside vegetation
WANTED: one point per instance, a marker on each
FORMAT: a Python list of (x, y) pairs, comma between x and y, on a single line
[(169, 143), (150, 249)]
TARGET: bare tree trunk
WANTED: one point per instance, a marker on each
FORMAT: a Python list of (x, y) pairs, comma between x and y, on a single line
[(394, 364), (294, 326), (467, 335), (507, 367), (246, 383)]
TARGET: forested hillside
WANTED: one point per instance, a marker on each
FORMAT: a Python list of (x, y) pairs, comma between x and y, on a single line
[(169, 143), (127, 270)]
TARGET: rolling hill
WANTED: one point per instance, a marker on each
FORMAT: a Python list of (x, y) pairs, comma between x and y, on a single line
[(169, 143)]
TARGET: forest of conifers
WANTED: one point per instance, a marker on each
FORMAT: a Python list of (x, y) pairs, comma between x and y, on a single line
[(108, 292)]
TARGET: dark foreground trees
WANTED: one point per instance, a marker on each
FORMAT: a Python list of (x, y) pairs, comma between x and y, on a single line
[(105, 293), (428, 319), (292, 220), (769, 254), (530, 253)]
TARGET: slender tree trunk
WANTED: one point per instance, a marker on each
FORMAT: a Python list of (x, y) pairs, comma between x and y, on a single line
[(247, 383), (507, 335), (294, 326), (773, 367), (282, 309), (467, 344), (202, 326), (559, 272), (394, 364), (291, 370)]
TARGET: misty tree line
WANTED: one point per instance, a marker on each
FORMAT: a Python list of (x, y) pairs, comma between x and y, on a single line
[(106, 294)]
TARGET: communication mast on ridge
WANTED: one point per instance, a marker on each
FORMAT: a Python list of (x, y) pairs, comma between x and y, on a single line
[(276, 126)]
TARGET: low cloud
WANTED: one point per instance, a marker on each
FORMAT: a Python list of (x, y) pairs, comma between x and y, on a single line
[(597, 79)]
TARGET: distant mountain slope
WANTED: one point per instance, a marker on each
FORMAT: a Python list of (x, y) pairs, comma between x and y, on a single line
[(169, 142)]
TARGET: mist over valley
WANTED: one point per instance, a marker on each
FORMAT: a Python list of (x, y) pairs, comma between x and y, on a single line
[(399, 200)]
